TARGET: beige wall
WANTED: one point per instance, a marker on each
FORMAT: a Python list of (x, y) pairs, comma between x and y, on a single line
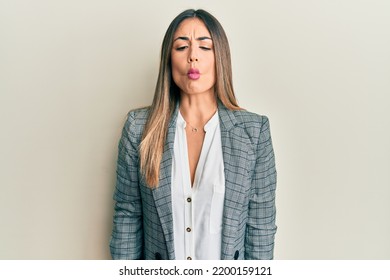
[(71, 70)]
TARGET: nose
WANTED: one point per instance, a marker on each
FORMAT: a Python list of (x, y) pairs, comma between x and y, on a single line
[(193, 56)]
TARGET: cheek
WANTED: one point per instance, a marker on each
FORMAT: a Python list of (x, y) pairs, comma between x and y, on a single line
[(177, 62), (210, 64), (211, 67), (173, 63), (176, 70)]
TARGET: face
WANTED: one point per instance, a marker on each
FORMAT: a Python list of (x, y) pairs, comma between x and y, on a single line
[(192, 58)]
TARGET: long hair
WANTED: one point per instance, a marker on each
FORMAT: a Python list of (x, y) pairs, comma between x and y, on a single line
[(167, 94)]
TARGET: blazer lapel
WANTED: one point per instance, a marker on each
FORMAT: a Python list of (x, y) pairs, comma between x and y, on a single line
[(235, 146), (162, 194)]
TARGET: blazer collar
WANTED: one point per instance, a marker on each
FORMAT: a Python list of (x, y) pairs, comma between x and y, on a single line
[(226, 116)]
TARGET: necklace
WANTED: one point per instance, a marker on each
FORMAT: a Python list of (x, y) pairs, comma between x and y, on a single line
[(193, 129)]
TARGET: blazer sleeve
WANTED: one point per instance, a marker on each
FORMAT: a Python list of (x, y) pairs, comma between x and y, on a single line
[(127, 234), (261, 227)]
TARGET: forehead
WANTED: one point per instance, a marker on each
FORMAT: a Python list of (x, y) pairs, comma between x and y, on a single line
[(192, 27)]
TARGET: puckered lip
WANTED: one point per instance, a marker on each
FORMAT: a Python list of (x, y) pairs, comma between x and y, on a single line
[(193, 71)]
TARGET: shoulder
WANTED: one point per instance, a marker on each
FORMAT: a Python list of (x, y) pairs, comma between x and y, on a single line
[(250, 120), (245, 123), (135, 123), (138, 116), (253, 126)]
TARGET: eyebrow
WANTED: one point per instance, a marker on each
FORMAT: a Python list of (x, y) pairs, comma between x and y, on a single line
[(187, 39)]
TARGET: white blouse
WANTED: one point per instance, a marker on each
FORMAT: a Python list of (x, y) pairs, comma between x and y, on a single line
[(197, 211)]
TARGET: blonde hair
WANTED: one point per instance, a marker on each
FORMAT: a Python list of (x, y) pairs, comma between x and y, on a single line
[(167, 94)]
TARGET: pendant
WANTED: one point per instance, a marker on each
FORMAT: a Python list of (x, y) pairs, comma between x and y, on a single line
[(194, 129)]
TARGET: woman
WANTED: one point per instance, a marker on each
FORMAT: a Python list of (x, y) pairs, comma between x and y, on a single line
[(196, 173)]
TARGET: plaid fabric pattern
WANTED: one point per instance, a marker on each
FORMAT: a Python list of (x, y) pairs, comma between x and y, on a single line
[(143, 225)]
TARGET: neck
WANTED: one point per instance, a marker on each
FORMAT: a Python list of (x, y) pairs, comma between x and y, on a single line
[(198, 109)]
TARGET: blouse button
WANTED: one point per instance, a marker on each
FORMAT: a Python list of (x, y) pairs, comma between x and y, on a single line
[(189, 199), (189, 258), (188, 229)]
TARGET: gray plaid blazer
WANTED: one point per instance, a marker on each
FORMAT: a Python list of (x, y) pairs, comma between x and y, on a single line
[(143, 226)]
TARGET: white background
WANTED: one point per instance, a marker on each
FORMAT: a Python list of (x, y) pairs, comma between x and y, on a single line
[(71, 70)]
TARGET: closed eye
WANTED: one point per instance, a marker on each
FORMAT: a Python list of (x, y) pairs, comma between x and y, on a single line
[(181, 48), (205, 48)]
